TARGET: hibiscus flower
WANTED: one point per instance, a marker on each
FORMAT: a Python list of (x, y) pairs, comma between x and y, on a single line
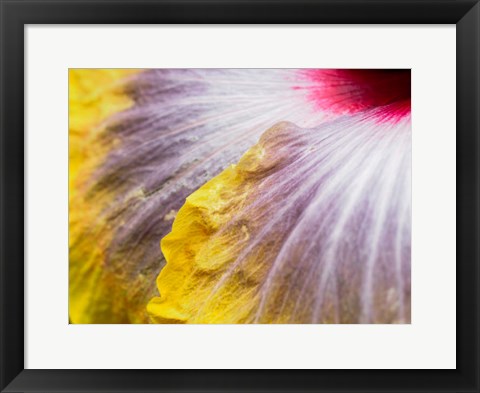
[(240, 196)]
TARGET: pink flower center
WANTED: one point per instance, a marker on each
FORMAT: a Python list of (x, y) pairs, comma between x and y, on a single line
[(352, 91)]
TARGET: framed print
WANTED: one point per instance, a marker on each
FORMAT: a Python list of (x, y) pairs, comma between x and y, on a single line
[(240, 196)]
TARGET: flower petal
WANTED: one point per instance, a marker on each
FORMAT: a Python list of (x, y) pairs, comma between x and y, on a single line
[(94, 96), (311, 226), (185, 126)]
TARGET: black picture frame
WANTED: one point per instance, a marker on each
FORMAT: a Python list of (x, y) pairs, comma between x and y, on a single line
[(15, 14)]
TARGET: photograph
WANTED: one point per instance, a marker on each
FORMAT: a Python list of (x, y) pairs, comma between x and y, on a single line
[(239, 196)]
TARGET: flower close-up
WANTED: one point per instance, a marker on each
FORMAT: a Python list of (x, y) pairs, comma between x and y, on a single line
[(240, 196)]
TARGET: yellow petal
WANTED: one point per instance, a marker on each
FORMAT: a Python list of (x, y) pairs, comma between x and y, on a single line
[(198, 285), (94, 96)]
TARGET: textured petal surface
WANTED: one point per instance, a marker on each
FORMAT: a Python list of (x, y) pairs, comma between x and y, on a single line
[(311, 226), (184, 127)]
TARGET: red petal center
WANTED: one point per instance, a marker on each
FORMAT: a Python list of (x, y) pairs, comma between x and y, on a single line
[(351, 91)]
